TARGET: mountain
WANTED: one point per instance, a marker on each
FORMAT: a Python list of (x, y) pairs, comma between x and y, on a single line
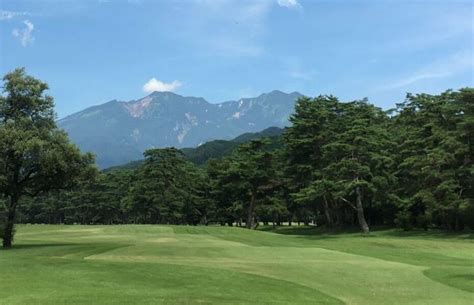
[(217, 148), (220, 148), (118, 132)]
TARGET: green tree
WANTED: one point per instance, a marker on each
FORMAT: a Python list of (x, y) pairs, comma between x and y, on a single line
[(246, 178), (311, 129), (435, 155), (35, 155), (98, 200), (223, 194), (357, 161), (168, 189), (338, 155)]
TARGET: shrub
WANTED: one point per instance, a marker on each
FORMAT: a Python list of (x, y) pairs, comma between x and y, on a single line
[(403, 220)]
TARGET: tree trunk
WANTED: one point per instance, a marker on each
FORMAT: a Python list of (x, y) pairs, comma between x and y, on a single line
[(326, 212), (456, 221), (250, 213), (10, 221), (360, 212)]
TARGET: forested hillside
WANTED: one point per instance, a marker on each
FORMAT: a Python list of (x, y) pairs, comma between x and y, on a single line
[(340, 165), (215, 149)]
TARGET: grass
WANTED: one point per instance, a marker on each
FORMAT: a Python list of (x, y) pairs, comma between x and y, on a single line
[(222, 265)]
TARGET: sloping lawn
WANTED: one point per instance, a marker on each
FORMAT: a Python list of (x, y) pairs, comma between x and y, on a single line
[(222, 265)]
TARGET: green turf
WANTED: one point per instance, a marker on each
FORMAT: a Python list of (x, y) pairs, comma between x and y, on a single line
[(222, 265)]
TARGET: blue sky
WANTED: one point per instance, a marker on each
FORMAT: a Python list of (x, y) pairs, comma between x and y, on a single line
[(94, 51)]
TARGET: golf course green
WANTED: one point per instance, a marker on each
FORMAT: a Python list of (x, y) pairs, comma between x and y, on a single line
[(158, 264)]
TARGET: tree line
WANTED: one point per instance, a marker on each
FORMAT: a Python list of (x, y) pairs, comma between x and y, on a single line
[(339, 165)]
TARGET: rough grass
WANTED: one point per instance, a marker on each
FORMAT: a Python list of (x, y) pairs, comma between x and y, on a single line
[(222, 265)]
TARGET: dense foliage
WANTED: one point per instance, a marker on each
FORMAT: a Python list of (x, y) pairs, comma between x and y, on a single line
[(35, 155), (338, 165)]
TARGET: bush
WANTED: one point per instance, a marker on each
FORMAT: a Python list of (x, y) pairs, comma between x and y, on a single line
[(403, 219), (423, 221)]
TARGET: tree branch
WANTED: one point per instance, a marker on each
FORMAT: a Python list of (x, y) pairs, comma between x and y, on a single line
[(27, 177), (349, 203)]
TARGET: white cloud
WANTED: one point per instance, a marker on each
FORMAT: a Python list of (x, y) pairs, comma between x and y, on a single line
[(446, 67), (25, 35), (157, 85), (289, 3), (7, 15)]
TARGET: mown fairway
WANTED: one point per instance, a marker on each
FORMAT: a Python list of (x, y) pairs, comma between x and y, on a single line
[(222, 265)]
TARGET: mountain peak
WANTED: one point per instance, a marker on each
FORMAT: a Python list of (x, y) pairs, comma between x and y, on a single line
[(118, 132), (163, 94), (279, 93), (276, 92)]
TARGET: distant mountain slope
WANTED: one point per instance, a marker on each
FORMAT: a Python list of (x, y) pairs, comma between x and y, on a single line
[(118, 132), (268, 132), (217, 148), (221, 148)]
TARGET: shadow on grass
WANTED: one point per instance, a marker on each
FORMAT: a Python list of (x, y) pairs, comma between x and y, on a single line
[(324, 232), (429, 234), (463, 281), (71, 251), (308, 232), (467, 277), (36, 246)]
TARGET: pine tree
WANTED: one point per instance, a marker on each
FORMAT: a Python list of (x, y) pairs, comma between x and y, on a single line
[(35, 156), (435, 158)]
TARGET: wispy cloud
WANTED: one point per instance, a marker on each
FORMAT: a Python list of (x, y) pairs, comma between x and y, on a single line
[(229, 28), (25, 35), (7, 15), (157, 85), (295, 68), (303, 75), (445, 67), (289, 3), (409, 80), (434, 30)]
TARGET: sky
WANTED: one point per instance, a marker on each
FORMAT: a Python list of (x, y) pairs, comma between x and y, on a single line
[(94, 51)]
